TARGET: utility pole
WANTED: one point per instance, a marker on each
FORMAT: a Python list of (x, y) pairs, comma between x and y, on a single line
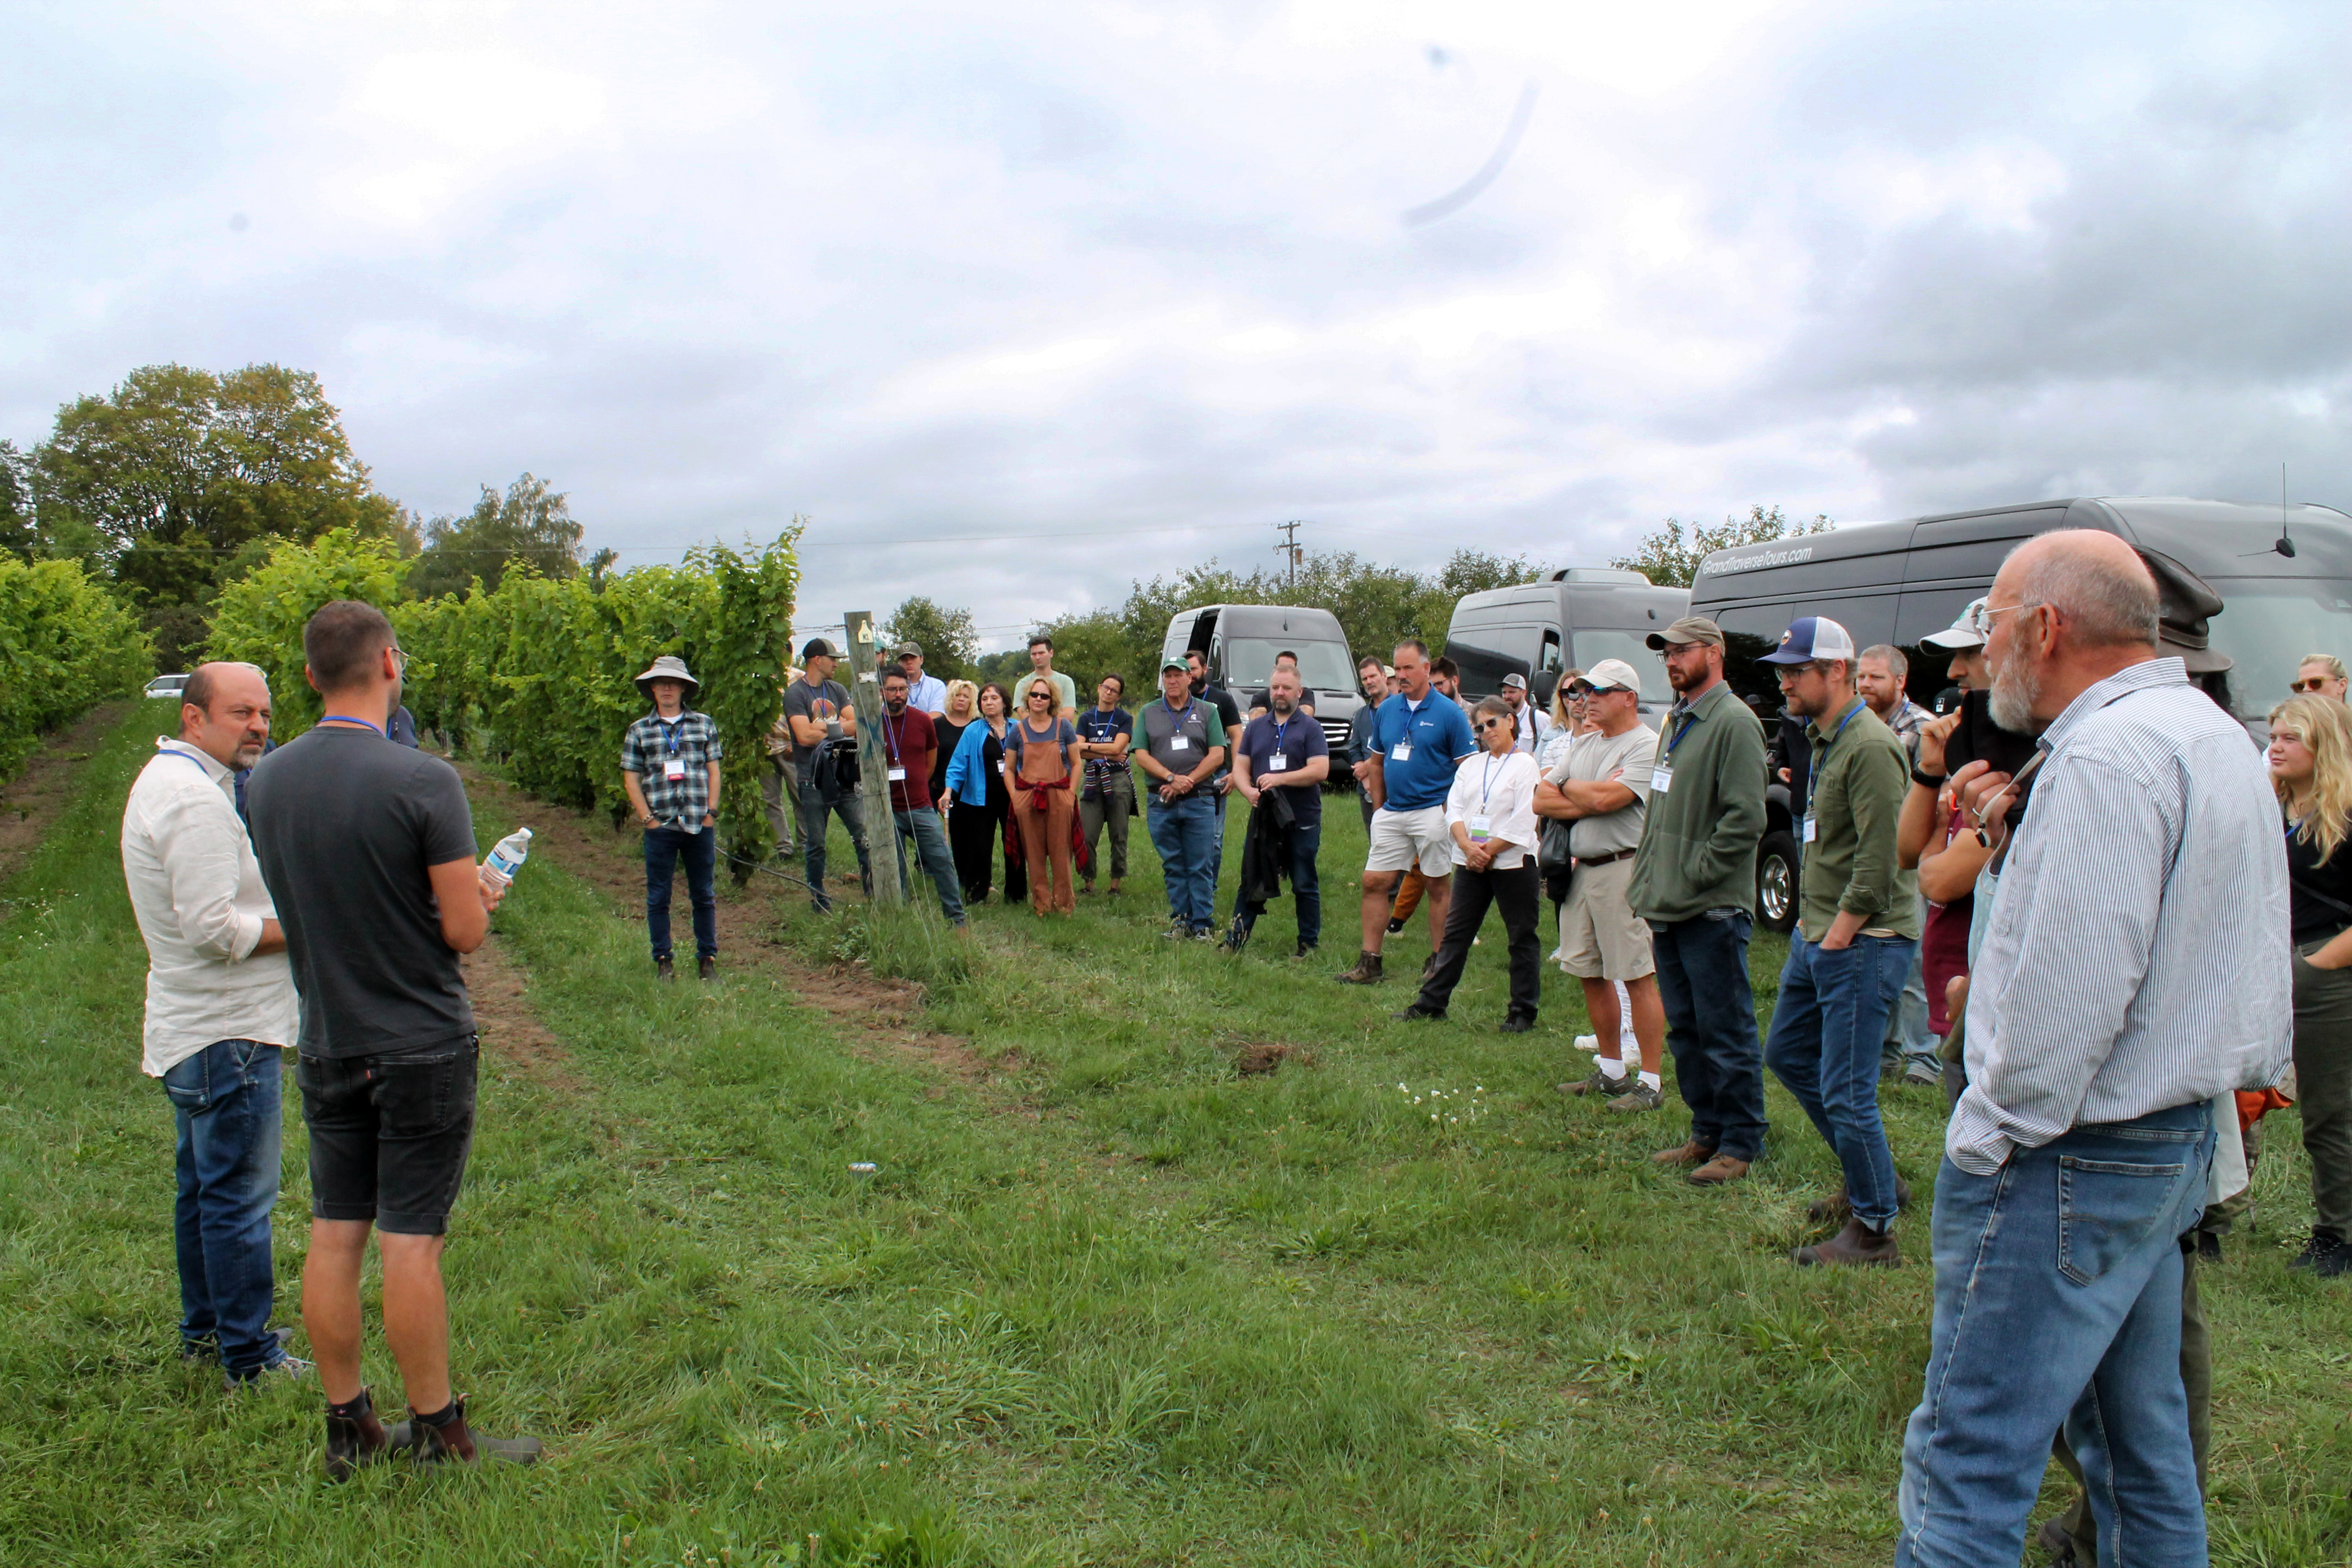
[(872, 763), (1289, 552)]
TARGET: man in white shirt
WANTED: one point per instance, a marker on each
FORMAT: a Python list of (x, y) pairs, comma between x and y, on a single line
[(2131, 970), (928, 693), (1532, 725), (220, 1005), (1490, 816)]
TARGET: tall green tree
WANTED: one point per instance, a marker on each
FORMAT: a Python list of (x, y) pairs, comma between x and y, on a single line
[(949, 640), (1670, 557), (19, 535), (531, 524)]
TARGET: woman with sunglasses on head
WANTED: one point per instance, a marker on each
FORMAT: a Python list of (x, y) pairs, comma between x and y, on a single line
[(1041, 768), (1491, 814), (977, 803), (2321, 674), (2311, 769)]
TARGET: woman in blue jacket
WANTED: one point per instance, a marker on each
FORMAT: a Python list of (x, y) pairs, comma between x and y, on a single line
[(976, 803)]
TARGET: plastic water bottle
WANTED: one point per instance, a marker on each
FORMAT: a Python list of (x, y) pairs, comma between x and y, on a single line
[(508, 858)]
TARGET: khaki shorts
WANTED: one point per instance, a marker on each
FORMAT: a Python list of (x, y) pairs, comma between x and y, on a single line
[(1600, 938), (1403, 839)]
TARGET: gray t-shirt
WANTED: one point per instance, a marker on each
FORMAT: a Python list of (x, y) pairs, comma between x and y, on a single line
[(820, 703), (345, 824), (1603, 759)]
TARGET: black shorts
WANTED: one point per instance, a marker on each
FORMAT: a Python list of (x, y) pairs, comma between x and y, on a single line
[(389, 1133)]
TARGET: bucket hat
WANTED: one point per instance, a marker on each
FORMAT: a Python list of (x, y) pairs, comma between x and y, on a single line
[(668, 667)]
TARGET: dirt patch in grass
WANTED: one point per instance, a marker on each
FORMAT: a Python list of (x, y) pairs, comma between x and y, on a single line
[(31, 800), (509, 1025), (1261, 1056)]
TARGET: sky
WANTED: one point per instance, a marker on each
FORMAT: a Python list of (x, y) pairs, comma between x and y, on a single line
[(1015, 304)]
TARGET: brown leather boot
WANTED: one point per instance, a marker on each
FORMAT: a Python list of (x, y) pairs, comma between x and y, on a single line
[(1856, 1244), (446, 1439), (1717, 1172), (355, 1437), (1837, 1206), (1366, 973), (1690, 1153)]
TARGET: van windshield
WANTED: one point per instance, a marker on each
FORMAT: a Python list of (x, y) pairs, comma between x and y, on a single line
[(2268, 625), (1591, 647), (1322, 666)]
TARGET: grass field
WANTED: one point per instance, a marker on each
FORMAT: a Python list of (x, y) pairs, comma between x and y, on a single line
[(1104, 1300)]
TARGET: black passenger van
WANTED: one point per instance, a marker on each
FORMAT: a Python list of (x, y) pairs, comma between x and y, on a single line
[(1572, 619), (1898, 582)]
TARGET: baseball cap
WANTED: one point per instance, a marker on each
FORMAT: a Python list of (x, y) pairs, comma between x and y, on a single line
[(1963, 633), (904, 648), (1515, 681), (818, 647), (1809, 637), (1613, 675), (1175, 661), (1689, 629)]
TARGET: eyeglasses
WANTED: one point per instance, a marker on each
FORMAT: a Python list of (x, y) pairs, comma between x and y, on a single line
[(400, 658), (2317, 683), (1980, 619)]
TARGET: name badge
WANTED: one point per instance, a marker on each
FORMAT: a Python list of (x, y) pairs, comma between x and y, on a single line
[(1479, 827), (1809, 827), (1402, 752), (1180, 742), (674, 768), (1661, 780), (898, 775), (1278, 762)]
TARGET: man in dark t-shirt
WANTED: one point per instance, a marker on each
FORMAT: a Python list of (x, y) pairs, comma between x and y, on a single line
[(367, 848), (908, 746), (817, 709), (1284, 749)]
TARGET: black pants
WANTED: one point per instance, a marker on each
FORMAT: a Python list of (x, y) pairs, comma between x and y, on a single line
[(975, 833), (1512, 892)]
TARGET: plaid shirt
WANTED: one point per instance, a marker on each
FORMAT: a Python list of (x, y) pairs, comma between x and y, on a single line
[(651, 743)]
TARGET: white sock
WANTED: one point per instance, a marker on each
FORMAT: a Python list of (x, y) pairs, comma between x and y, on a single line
[(1614, 1067), (1651, 1080), (1625, 1013)]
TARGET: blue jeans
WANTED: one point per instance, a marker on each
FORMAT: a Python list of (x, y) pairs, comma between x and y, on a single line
[(2058, 1304), (1909, 1042), (852, 811), (1826, 1029), (1711, 1028), (1306, 887), (224, 1108), (922, 825), (1185, 834), (666, 848)]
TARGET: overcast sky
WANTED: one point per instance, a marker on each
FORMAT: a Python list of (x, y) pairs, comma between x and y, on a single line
[(1142, 276)]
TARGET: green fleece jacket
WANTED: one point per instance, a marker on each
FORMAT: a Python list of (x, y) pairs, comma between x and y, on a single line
[(1860, 774), (1698, 842)]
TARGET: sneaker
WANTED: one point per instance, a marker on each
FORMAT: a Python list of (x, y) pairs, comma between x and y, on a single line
[(1589, 1044), (1395, 925), (1717, 1172), (1366, 973), (1202, 933), (706, 968), (2325, 1255), (1919, 1075), (1177, 931), (451, 1441), (664, 969), (1600, 1083), (1519, 1023), (1641, 1097), (208, 1348), (284, 1370)]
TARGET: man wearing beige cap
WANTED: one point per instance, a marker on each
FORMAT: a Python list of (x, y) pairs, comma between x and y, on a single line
[(1694, 880), (1602, 789)]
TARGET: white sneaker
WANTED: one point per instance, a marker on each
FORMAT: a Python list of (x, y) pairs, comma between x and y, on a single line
[(1588, 1043)]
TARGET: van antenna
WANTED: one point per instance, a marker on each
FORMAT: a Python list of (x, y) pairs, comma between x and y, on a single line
[(2285, 545)]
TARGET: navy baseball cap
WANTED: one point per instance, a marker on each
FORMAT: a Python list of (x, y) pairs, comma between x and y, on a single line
[(1812, 637)]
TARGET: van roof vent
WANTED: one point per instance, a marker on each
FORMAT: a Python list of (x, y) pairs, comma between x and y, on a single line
[(1617, 575)]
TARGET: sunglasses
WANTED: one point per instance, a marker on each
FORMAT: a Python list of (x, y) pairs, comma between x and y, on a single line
[(1041, 697), (2317, 683), (1578, 693), (1490, 724)]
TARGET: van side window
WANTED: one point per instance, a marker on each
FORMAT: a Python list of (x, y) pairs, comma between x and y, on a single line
[(1550, 658)]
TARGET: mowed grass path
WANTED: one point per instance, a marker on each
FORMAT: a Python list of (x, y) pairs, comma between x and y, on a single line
[(1115, 1303)]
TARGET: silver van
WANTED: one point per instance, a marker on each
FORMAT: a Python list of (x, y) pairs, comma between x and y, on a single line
[(1572, 619), (1239, 642)]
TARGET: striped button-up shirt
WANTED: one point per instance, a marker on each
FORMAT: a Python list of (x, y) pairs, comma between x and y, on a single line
[(2137, 955)]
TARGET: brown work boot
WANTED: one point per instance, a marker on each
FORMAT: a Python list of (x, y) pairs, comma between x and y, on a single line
[(1366, 973), (1717, 1172), (1837, 1206), (355, 1437), (1690, 1153), (1857, 1243), (446, 1439)]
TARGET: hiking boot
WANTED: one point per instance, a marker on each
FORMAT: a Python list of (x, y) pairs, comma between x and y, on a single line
[(448, 1440), (1599, 1083), (1641, 1097), (1417, 1014), (706, 968), (1366, 973), (1719, 1171), (355, 1438), (1837, 1206), (664, 969), (1692, 1152), (1856, 1244), (1519, 1023), (2325, 1255)]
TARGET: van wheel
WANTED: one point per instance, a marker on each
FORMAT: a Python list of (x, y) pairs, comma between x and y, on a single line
[(1776, 882)]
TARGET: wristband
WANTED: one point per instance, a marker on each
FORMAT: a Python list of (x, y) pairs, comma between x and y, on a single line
[(1925, 781)]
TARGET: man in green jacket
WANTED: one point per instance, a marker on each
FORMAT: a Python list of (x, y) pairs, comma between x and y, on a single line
[(1858, 914), (1694, 880)]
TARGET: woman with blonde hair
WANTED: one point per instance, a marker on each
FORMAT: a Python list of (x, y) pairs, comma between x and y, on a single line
[(962, 706), (2310, 768), (1040, 769), (977, 803)]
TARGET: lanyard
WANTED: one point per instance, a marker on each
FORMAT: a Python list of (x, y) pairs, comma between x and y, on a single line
[(347, 719), (1487, 780), (1279, 732), (208, 773), (1850, 715), (895, 744), (671, 737)]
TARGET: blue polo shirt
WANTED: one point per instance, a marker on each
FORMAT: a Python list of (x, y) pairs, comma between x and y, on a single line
[(1440, 737)]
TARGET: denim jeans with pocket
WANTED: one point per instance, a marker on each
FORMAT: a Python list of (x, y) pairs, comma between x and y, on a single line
[(224, 1109), (1185, 834), (1826, 1031), (1711, 1028), (813, 827), (922, 825), (2058, 1305), (666, 849)]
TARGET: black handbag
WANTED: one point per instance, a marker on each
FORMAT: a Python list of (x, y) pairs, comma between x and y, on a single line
[(1552, 858)]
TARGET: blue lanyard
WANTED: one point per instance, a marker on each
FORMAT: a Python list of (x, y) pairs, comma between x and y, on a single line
[(895, 744), (1279, 732), (671, 736), (1487, 780), (208, 773), (1850, 715), (347, 719)]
